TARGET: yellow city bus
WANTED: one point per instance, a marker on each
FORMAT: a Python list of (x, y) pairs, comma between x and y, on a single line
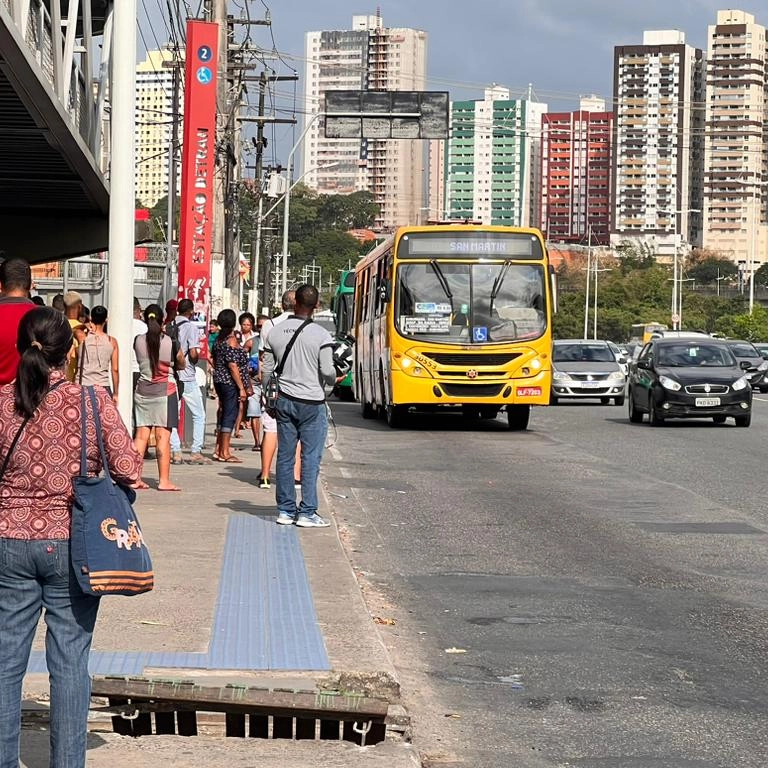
[(454, 315), (642, 333)]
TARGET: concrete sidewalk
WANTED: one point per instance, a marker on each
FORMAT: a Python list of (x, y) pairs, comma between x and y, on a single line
[(237, 600)]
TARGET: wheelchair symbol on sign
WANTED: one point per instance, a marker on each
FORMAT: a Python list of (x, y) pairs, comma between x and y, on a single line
[(479, 333), (204, 75)]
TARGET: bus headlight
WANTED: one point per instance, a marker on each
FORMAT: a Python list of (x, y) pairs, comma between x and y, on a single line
[(412, 367)]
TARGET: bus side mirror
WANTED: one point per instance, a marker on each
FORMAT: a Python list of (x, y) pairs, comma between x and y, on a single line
[(385, 291), (553, 287)]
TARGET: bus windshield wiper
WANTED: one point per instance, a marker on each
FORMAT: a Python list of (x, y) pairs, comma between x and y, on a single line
[(499, 281), (441, 279)]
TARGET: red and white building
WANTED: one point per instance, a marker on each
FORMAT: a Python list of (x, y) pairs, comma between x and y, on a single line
[(576, 174)]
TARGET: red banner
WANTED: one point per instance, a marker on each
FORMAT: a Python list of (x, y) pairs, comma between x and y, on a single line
[(198, 162)]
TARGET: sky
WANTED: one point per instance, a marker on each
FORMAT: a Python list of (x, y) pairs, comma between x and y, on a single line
[(563, 48)]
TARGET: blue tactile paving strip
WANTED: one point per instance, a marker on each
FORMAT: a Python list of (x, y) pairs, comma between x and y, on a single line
[(264, 619)]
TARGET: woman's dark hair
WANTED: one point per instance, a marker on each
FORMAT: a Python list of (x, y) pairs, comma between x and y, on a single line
[(247, 316), (153, 315), (44, 341), (99, 315), (226, 320)]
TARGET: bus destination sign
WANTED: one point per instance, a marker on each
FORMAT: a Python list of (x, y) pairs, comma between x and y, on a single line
[(459, 245)]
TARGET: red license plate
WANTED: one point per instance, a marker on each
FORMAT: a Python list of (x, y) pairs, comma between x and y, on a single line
[(529, 391)]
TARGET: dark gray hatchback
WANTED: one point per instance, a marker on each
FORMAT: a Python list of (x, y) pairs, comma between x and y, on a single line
[(689, 379)]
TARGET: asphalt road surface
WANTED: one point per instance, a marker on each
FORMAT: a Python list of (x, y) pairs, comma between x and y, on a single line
[(590, 593)]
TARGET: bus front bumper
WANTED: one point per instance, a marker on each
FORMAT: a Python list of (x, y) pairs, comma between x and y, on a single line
[(454, 390)]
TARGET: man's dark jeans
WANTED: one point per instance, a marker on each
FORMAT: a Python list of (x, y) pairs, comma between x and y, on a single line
[(307, 423)]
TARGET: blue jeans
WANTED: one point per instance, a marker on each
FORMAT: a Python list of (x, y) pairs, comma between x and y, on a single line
[(229, 404), (36, 575), (309, 424), (193, 397)]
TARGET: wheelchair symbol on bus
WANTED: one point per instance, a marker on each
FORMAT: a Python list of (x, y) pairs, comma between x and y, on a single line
[(479, 333)]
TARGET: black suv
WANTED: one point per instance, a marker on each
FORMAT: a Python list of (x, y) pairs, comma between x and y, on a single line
[(694, 378)]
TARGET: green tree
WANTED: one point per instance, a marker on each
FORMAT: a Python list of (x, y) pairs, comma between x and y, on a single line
[(708, 270), (761, 276), (159, 216)]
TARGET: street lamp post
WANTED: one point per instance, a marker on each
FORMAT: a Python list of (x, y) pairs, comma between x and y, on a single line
[(675, 301), (253, 297), (287, 208), (753, 244)]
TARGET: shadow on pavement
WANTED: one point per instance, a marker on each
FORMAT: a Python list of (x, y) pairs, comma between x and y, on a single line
[(35, 751)]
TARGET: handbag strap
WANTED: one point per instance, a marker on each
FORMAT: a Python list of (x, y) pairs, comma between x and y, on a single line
[(17, 436), (289, 347), (84, 433), (82, 362)]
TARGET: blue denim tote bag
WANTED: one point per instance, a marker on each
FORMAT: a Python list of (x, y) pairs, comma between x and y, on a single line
[(108, 552)]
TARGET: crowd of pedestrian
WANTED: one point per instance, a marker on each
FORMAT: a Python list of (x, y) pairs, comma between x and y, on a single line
[(168, 346), (47, 354)]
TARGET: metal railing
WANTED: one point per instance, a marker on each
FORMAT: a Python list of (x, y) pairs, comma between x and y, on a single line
[(79, 101)]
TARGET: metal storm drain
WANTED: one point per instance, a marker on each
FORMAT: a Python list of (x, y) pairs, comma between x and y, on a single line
[(141, 707)]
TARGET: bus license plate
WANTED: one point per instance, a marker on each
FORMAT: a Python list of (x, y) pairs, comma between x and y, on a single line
[(707, 402)]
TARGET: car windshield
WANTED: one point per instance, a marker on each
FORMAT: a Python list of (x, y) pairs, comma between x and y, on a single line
[(442, 301), (582, 353), (744, 350), (693, 354)]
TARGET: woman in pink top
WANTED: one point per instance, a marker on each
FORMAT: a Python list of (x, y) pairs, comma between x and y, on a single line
[(40, 438)]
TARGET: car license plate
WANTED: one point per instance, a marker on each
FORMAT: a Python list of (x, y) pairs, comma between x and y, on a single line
[(707, 402), (591, 384)]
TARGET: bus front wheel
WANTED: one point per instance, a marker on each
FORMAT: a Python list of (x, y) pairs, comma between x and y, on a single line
[(395, 415), (518, 417)]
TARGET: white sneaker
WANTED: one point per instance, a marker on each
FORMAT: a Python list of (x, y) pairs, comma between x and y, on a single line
[(283, 518), (311, 521)]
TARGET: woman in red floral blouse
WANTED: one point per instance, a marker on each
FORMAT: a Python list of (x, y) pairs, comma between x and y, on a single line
[(43, 409)]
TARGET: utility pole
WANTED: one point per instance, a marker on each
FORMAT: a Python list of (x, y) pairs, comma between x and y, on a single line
[(216, 11), (122, 233), (253, 296), (261, 120), (589, 278), (173, 172)]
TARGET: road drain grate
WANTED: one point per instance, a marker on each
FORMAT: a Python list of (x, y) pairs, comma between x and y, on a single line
[(142, 707)]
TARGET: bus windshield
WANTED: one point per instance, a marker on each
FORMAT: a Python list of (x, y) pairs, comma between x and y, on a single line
[(443, 300)]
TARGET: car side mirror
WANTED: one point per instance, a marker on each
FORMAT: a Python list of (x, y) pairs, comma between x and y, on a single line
[(644, 364), (745, 365), (622, 361)]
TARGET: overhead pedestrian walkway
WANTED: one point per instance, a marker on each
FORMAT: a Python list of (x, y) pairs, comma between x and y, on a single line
[(54, 198)]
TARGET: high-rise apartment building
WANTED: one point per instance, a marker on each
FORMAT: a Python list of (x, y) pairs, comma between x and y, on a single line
[(576, 174), (368, 56), (436, 209), (154, 105), (736, 147), (658, 147), (494, 159)]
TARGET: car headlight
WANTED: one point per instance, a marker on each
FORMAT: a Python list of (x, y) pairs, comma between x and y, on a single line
[(763, 366), (668, 383), (616, 376), (740, 384), (560, 376)]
